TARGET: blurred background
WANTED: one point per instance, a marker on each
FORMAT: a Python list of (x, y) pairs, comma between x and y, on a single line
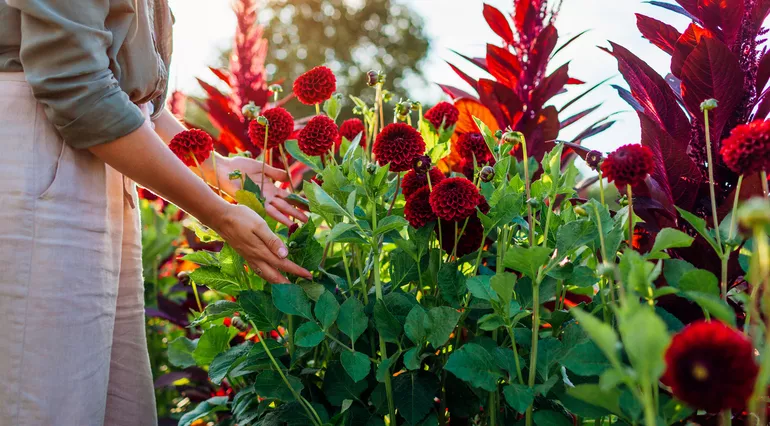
[(415, 49)]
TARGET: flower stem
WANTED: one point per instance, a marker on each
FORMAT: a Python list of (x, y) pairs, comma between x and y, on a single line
[(765, 191), (214, 164), (264, 161), (630, 217), (527, 185), (197, 298), (285, 167), (547, 222), (711, 181), (535, 332), (317, 109), (726, 418), (601, 188), (760, 270)]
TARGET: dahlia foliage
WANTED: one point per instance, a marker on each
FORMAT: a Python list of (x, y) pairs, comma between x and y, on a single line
[(459, 279)]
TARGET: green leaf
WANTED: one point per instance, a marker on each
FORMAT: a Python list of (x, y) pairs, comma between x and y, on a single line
[(308, 335), (211, 405), (414, 328), (180, 352), (214, 279), (213, 341), (390, 223), (700, 226), (715, 306), (699, 280), (356, 364), (413, 394), (502, 284), (550, 418), (519, 397), (412, 360), (403, 268), (292, 147), (338, 386), (203, 258), (489, 137), (441, 321), (355, 143), (339, 230), (291, 300), (387, 325), (645, 338), (326, 204), (503, 212), (226, 361), (304, 249), (250, 200), (586, 359), (352, 321), (491, 322), (574, 235), (548, 351), (474, 365), (270, 385), (327, 309), (332, 106), (602, 334), (217, 310), (595, 395), (383, 370), (231, 263), (480, 287), (259, 308), (671, 238), (674, 269), (527, 260), (451, 284)]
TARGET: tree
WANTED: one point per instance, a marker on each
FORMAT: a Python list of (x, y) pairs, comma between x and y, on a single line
[(351, 40)]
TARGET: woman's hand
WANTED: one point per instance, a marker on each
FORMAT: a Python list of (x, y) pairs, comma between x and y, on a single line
[(250, 236), (275, 203)]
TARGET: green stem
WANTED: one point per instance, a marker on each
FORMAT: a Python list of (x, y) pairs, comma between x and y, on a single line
[(515, 355), (711, 182), (527, 185), (347, 268), (197, 298), (650, 413), (492, 404), (285, 166), (216, 173), (727, 250), (726, 418), (290, 340), (601, 188), (548, 221), (383, 347), (264, 157), (765, 190), (311, 413), (535, 332), (760, 272), (630, 217)]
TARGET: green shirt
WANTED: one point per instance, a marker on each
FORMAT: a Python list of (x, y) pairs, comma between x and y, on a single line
[(89, 62)]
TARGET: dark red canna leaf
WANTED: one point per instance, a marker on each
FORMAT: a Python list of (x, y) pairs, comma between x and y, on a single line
[(479, 62), (567, 43), (763, 72), (722, 17), (541, 128), (575, 81), (653, 94), (541, 51), (760, 12), (223, 75), (685, 45), (498, 23), (763, 106), (504, 103), (691, 6), (503, 65), (658, 33), (549, 87), (628, 97), (455, 93), (468, 79), (582, 95), (712, 71), (674, 8), (575, 117)]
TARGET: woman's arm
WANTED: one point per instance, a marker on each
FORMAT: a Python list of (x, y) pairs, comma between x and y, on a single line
[(167, 126), (159, 169)]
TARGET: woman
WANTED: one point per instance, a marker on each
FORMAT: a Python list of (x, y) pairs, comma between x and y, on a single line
[(78, 80)]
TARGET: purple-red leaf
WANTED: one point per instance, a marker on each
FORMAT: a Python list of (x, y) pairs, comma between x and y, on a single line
[(722, 17), (541, 51), (712, 71), (498, 23), (628, 97), (504, 103), (575, 117), (503, 65), (468, 79), (479, 62), (455, 93), (658, 33), (763, 72), (691, 6), (549, 87), (760, 12), (580, 96), (685, 45)]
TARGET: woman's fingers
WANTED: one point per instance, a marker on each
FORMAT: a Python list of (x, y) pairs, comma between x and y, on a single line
[(277, 215), (270, 240), (288, 209), (267, 272), (251, 166), (264, 254)]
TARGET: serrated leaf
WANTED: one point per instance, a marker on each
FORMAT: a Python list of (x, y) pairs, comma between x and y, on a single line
[(699, 280), (441, 321), (574, 235), (259, 308), (451, 283), (203, 258), (327, 309), (519, 397), (292, 147), (502, 284), (390, 223), (211, 405), (413, 394), (671, 238), (602, 334), (213, 278), (356, 364), (700, 226), (645, 339), (527, 260), (292, 300), (308, 335), (180, 352), (489, 137), (338, 386), (586, 359), (250, 200), (480, 287), (473, 364), (270, 385), (225, 361), (387, 324), (352, 321), (213, 341), (414, 327)]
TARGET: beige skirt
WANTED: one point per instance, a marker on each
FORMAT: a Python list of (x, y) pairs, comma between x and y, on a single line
[(72, 344)]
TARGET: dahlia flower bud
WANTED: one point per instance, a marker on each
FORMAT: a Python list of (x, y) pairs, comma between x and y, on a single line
[(357, 110), (416, 106), (708, 105), (422, 164), (250, 111), (235, 175), (371, 168), (594, 159), (754, 212), (263, 121), (275, 88), (487, 174), (514, 138), (372, 78), (387, 96), (499, 134), (580, 211)]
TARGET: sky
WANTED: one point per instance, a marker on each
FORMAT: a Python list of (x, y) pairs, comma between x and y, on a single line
[(205, 27)]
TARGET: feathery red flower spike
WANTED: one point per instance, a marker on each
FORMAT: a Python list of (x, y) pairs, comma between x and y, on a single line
[(628, 165), (191, 143), (280, 124), (318, 136), (398, 144), (315, 86)]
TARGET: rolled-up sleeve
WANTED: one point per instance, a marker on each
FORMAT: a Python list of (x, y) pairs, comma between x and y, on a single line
[(64, 53)]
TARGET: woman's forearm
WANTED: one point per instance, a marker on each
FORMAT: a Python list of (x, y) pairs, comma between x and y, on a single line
[(158, 169), (167, 126)]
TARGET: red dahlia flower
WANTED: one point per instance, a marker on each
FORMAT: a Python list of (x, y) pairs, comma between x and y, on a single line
[(711, 367), (443, 112), (413, 181), (417, 209), (747, 150), (191, 143), (315, 86), (628, 165), (473, 144), (398, 144), (470, 240), (454, 199), (349, 129), (280, 124), (318, 136)]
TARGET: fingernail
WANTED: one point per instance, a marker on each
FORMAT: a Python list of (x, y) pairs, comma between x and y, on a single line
[(283, 252)]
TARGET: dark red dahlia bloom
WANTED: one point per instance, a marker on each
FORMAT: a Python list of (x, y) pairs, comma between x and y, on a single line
[(318, 136), (349, 129), (413, 181), (747, 150), (628, 165), (192, 145), (443, 112), (280, 123), (454, 199), (711, 367), (473, 144), (398, 144), (315, 86), (467, 168), (470, 239), (417, 209)]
